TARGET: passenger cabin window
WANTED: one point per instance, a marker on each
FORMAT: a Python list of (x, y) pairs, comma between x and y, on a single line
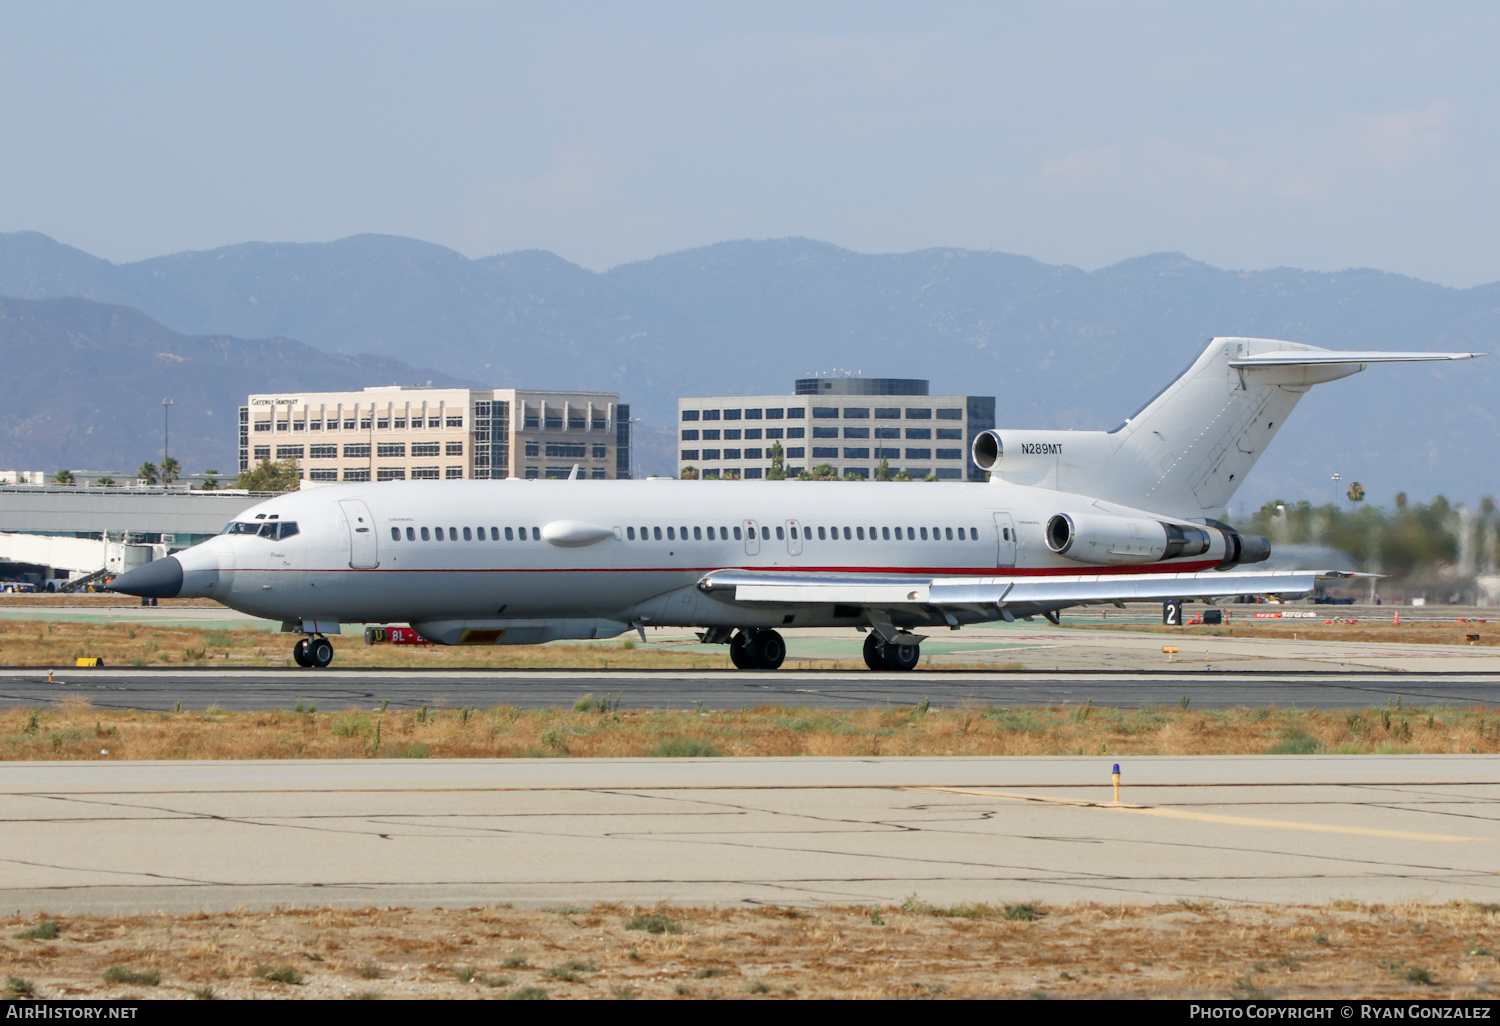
[(467, 535), (630, 533), (411, 535), (737, 535), (509, 536), (395, 534)]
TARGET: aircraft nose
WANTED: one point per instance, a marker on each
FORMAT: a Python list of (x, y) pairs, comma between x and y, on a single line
[(161, 578)]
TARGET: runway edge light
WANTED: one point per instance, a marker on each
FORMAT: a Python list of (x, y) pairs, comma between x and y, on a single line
[(1116, 775)]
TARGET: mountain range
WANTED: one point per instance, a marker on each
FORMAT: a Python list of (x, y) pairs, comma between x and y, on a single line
[(1058, 346)]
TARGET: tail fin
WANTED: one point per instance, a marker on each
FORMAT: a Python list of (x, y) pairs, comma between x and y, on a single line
[(1189, 449)]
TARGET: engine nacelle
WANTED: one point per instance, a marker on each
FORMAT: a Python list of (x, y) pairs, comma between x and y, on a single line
[(1114, 541), (988, 450), (1241, 548)]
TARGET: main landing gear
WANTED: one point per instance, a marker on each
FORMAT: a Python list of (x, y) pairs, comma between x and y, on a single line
[(757, 650), (313, 652), (883, 655)]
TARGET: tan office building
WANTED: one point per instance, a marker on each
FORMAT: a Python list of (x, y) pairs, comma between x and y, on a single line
[(407, 432)]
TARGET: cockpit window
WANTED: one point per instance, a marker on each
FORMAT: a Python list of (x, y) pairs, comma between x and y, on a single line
[(271, 529)]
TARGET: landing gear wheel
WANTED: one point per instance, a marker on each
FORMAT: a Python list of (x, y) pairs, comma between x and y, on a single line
[(902, 657), (741, 651), (769, 648), (875, 652), (299, 653), (319, 652)]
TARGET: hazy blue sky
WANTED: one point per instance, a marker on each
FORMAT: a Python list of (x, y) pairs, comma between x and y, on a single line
[(1248, 135)]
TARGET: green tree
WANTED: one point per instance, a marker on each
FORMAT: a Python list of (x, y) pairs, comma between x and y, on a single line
[(170, 470), (210, 480), (1356, 492), (804, 474), (63, 477), (824, 472), (104, 482), (778, 463), (902, 475), (147, 473), (281, 476), (690, 473), (883, 472)]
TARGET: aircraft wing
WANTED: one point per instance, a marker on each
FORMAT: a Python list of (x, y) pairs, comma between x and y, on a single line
[(1308, 358), (1001, 590)]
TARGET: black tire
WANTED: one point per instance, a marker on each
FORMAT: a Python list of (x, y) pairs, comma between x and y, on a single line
[(875, 652), (299, 653), (320, 652), (901, 657), (741, 651), (770, 650)]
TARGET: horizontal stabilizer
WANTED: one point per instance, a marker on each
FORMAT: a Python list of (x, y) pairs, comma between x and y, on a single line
[(1317, 357)]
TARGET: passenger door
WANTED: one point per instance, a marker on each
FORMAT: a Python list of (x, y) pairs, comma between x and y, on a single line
[(793, 538), (364, 552), (1005, 540)]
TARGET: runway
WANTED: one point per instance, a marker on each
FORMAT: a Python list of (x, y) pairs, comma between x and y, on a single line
[(679, 689), (184, 837)]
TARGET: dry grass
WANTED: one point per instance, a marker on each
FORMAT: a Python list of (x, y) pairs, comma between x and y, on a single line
[(79, 731), (1380, 631), (1407, 952)]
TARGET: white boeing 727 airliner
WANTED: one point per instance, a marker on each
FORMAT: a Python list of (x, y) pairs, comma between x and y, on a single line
[(1068, 517)]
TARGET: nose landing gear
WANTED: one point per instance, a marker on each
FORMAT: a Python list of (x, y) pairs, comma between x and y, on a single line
[(315, 652)]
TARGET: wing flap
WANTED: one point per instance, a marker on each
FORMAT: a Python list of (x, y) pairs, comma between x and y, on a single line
[(856, 589)]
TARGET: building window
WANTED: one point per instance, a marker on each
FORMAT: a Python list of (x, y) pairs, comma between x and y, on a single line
[(860, 472), (922, 433), (599, 474), (796, 452), (601, 452), (364, 423), (950, 414), (453, 448), (348, 425), (690, 434), (774, 413), (391, 450), (532, 473), (856, 432), (424, 473), (425, 448), (751, 434), (357, 474), (774, 433), (558, 473), (731, 454), (315, 425), (357, 452), (825, 452), (324, 474), (753, 454), (950, 454), (731, 414), (856, 413), (533, 448), (262, 425), (888, 412), (825, 413), (689, 414), (325, 452), (856, 453), (796, 413), (690, 454), (918, 413), (457, 422), (383, 423), (566, 450), (262, 452), (710, 414), (454, 473), (289, 452), (917, 474), (400, 422), (887, 454), (953, 434), (711, 434), (825, 432), (887, 432), (753, 473), (731, 434), (389, 474), (919, 454), (752, 415), (949, 473), (710, 454), (796, 432)]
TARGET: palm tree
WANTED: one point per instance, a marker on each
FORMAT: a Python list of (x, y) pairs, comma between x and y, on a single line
[(63, 477), (210, 480), (170, 468), (147, 473), (104, 482)]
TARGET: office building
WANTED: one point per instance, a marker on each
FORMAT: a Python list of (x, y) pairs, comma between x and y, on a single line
[(412, 433), (849, 424)]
